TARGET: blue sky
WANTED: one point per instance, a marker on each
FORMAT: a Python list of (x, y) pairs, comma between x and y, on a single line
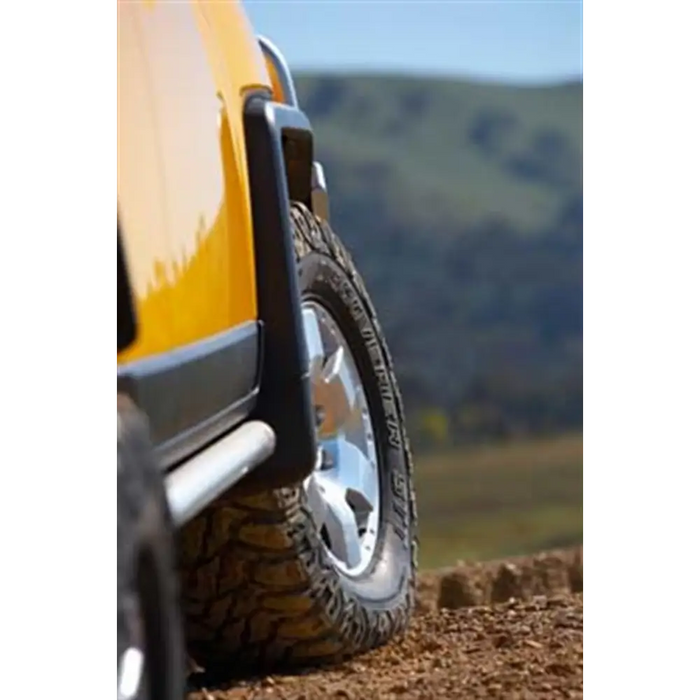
[(504, 40)]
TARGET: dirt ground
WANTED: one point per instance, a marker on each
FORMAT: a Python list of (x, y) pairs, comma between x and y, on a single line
[(511, 629)]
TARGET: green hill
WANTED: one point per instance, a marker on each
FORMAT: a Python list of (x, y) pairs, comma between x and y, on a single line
[(463, 206)]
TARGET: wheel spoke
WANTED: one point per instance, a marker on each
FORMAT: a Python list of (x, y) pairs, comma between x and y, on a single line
[(355, 473), (336, 393), (340, 521), (343, 492), (314, 343), (316, 500)]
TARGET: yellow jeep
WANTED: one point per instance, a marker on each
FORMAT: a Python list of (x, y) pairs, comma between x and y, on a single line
[(258, 414)]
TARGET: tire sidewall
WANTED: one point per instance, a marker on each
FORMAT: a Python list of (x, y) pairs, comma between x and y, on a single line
[(389, 574), (146, 546)]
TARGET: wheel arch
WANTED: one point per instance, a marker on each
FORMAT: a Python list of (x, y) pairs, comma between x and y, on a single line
[(281, 169)]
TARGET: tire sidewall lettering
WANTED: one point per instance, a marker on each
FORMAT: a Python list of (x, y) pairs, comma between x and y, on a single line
[(327, 282)]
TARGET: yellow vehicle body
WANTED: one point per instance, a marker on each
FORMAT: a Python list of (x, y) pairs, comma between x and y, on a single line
[(211, 149), (184, 71)]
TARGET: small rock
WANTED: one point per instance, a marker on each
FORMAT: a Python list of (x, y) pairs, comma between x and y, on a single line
[(457, 591), (576, 573), (503, 640), (344, 693), (506, 584)]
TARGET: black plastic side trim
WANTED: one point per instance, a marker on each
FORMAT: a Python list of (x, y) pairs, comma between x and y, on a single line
[(284, 401), (196, 393), (126, 316), (187, 443)]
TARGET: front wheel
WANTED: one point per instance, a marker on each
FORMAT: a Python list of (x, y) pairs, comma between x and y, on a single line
[(325, 569)]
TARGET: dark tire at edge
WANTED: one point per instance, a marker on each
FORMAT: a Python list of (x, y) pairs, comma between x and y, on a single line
[(260, 591), (146, 571)]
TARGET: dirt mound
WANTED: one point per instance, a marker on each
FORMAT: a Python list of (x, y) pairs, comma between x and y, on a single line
[(485, 583), (463, 643)]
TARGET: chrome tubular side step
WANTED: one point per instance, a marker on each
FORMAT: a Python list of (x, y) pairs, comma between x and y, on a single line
[(195, 484)]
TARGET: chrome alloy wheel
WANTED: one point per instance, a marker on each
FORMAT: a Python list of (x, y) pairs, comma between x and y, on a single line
[(131, 665), (343, 491)]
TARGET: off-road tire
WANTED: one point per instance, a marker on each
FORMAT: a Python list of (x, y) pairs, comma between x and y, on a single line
[(146, 573), (259, 588)]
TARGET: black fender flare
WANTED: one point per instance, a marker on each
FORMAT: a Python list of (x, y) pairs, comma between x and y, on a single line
[(279, 145)]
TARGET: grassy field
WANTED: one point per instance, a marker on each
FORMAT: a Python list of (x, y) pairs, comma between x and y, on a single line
[(501, 500)]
